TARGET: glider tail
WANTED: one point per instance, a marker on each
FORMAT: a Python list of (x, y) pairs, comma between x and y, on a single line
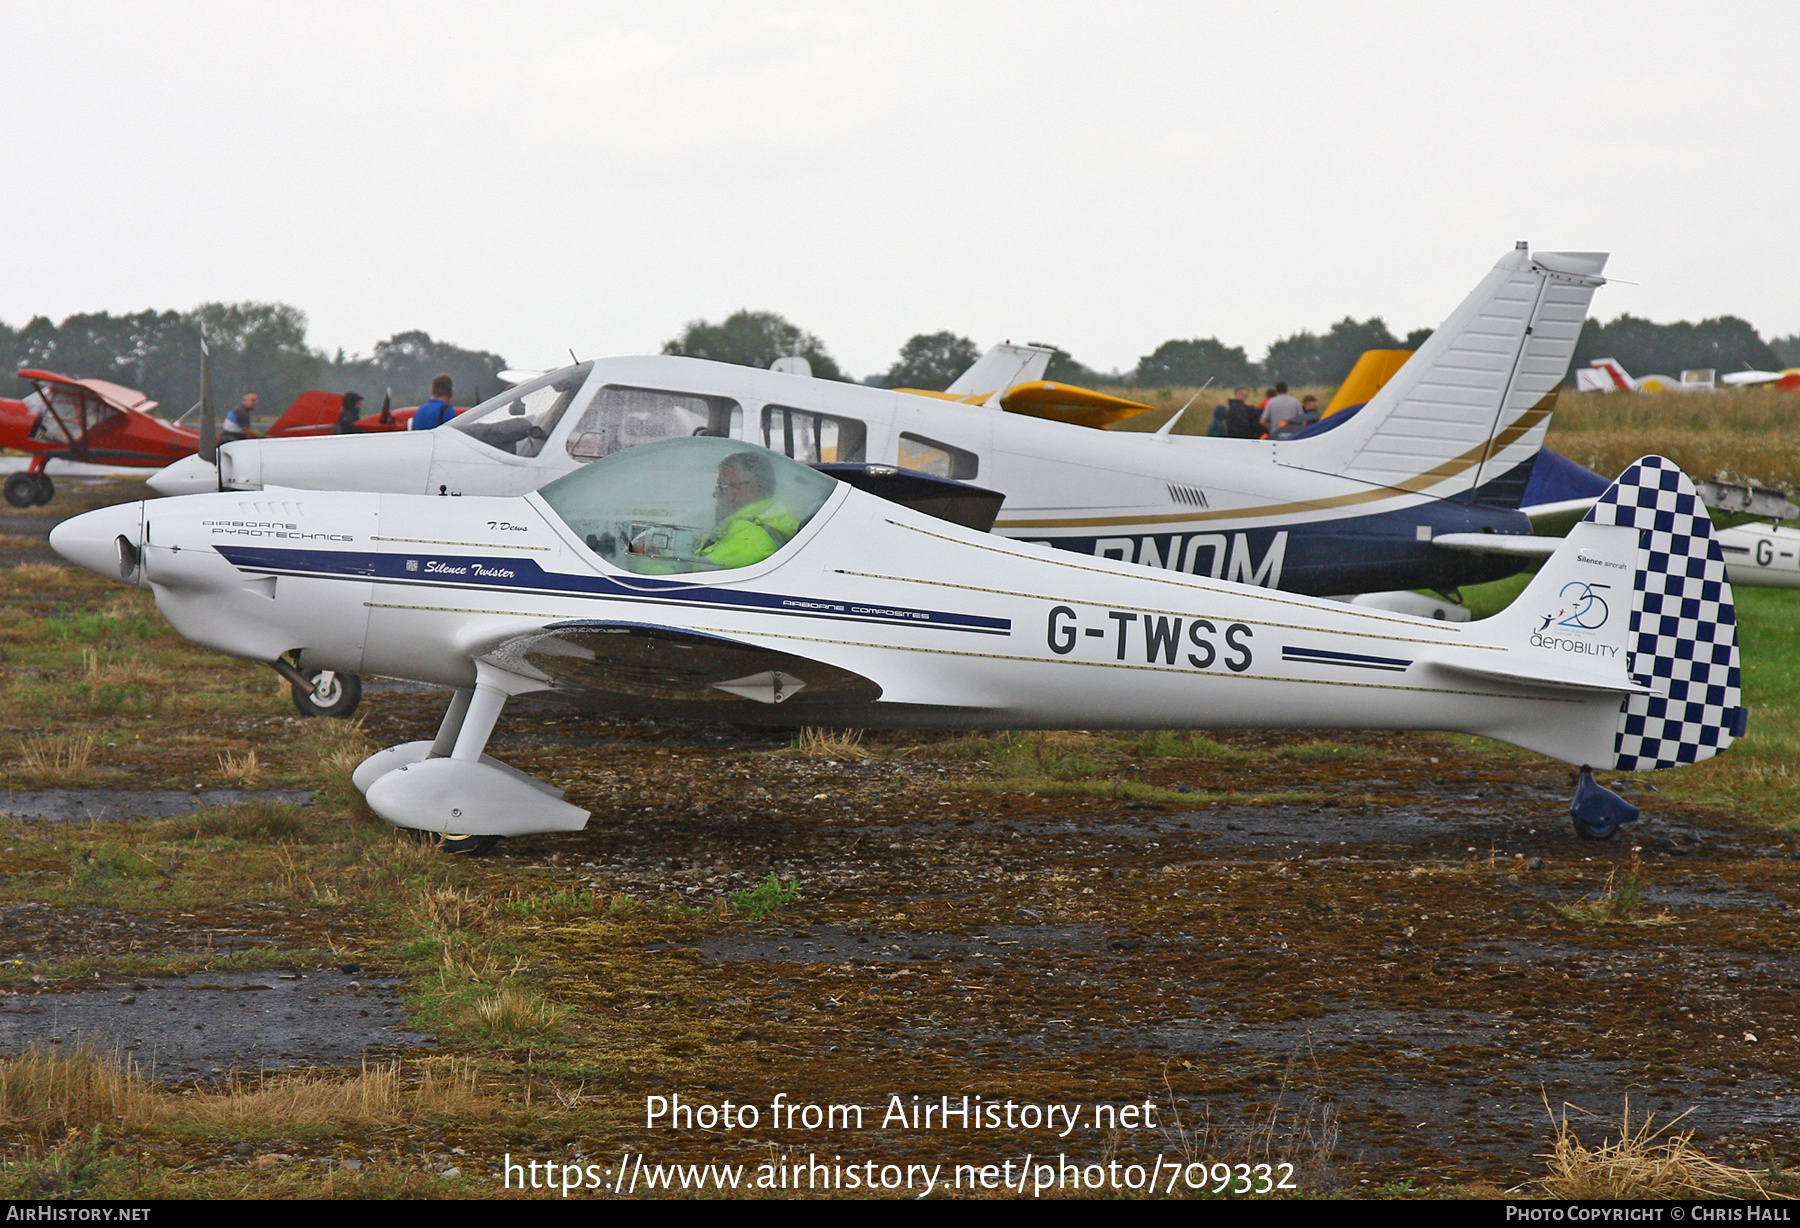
[(1467, 413), (1634, 604)]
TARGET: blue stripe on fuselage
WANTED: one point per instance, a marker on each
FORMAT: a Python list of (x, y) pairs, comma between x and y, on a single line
[(526, 576), (1347, 554)]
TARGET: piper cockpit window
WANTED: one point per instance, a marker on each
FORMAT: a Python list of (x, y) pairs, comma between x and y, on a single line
[(813, 439), (622, 418), (683, 505), (520, 419), (942, 460)]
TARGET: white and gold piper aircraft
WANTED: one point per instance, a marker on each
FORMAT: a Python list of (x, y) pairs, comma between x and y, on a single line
[(1445, 447), (714, 579)]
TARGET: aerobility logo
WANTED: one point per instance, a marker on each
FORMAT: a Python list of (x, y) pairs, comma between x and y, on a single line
[(1582, 611)]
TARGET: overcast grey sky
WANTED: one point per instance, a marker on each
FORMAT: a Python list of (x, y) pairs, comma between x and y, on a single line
[(531, 177)]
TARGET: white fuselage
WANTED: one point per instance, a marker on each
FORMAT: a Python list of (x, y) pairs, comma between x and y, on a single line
[(956, 628)]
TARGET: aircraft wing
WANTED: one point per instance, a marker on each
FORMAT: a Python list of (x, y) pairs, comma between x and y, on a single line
[(1067, 403), (658, 670)]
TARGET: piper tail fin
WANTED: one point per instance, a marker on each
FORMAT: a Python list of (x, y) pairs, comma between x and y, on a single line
[(1470, 408), (1635, 611)]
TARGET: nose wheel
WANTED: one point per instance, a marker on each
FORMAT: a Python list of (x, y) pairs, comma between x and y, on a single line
[(332, 694)]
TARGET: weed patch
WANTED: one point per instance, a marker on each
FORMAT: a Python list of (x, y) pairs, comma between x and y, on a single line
[(816, 743), (1620, 902), (759, 901)]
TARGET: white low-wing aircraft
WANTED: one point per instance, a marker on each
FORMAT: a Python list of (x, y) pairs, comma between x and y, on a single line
[(1446, 446), (713, 579)]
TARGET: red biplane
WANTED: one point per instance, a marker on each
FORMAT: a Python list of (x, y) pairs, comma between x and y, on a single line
[(88, 420)]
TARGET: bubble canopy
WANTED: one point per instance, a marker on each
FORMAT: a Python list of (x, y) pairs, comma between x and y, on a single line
[(683, 505)]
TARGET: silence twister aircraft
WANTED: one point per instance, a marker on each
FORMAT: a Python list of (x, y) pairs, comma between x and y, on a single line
[(1443, 449), (712, 579)]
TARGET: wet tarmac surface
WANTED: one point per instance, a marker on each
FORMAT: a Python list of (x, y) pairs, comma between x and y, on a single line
[(200, 1026), (101, 805)]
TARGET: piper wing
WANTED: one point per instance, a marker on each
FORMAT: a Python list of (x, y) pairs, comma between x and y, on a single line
[(1067, 403), (653, 670)]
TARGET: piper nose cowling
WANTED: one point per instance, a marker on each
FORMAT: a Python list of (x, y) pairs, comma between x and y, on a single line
[(109, 541), (191, 475)]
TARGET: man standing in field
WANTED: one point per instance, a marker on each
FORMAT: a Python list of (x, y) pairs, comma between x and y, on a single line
[(238, 421), (1240, 416), (438, 410), (1281, 411)]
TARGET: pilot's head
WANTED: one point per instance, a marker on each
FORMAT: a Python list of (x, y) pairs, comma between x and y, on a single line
[(744, 478)]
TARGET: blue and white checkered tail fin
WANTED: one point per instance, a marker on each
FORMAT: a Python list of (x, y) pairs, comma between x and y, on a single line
[(1682, 639)]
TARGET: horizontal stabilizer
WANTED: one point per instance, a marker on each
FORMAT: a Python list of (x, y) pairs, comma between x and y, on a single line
[(1518, 545), (1537, 673)]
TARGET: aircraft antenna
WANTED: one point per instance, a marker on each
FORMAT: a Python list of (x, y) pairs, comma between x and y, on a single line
[(1168, 428), (572, 357)]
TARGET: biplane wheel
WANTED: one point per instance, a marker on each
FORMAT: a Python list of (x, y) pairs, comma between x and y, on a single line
[(46, 488), (334, 693), (456, 846), (22, 489)]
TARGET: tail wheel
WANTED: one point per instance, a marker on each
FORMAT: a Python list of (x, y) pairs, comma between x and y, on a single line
[(46, 488), (456, 846), (1595, 831), (22, 489), (333, 694)]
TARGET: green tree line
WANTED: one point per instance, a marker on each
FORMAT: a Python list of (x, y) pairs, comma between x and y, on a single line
[(255, 347), (262, 348)]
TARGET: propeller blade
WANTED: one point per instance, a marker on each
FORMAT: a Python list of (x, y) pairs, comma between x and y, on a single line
[(209, 435)]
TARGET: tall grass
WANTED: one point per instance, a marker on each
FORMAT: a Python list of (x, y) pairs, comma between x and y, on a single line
[(47, 1090), (1739, 434), (1642, 1161)]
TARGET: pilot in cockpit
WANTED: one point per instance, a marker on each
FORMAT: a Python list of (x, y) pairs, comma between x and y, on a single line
[(752, 525)]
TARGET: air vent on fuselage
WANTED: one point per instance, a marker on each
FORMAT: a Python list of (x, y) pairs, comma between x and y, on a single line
[(1187, 495)]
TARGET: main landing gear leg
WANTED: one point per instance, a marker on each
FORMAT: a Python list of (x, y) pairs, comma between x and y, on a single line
[(480, 711), (1597, 811), (448, 793), (452, 724)]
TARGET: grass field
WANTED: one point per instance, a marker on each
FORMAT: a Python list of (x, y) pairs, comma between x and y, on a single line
[(1739, 434)]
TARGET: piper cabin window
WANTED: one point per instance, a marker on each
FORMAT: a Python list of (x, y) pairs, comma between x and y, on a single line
[(813, 439), (519, 420), (941, 460), (623, 417), (686, 505)]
